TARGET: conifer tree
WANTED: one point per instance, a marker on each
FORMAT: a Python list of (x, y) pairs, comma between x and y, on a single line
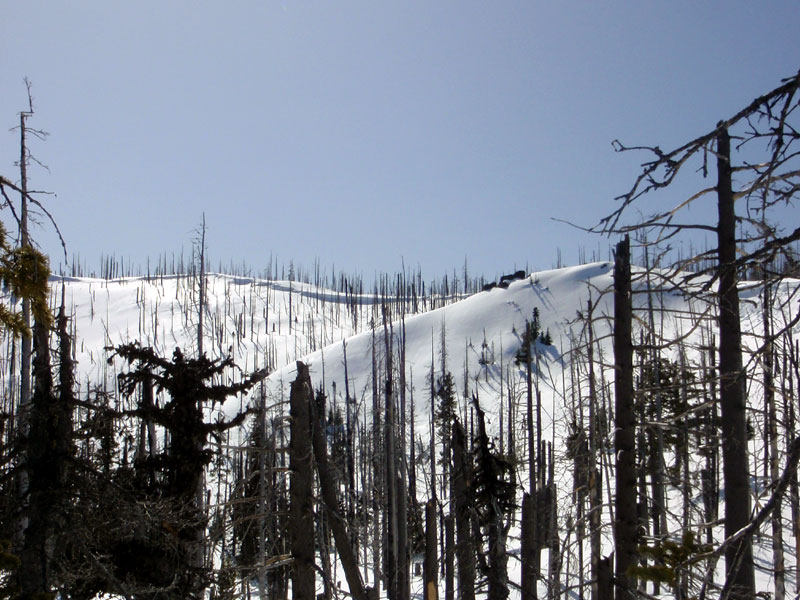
[(191, 386)]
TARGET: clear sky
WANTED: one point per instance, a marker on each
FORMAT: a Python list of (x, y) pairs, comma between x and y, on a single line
[(366, 133)]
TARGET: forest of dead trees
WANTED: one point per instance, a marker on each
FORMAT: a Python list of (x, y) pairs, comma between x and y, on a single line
[(660, 461)]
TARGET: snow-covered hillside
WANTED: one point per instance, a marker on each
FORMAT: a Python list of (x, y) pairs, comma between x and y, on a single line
[(271, 324), (274, 323)]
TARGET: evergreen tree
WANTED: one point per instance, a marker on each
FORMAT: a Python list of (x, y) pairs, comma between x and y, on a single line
[(530, 338), (446, 414), (24, 271), (493, 495), (190, 384)]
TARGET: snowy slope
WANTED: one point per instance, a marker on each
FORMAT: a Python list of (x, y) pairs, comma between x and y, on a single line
[(495, 318), (274, 323)]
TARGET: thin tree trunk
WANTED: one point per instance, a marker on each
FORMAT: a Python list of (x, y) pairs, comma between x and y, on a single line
[(350, 424), (392, 548), (328, 488), (625, 526), (772, 439), (202, 295), (465, 551), (656, 454), (301, 516), (449, 557), (529, 574), (430, 567), (26, 346), (595, 484), (529, 415), (554, 566), (37, 549), (404, 555), (377, 472), (27, 341), (787, 391)]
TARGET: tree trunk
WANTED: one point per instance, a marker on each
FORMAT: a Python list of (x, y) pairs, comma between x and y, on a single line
[(529, 574), (739, 556), (465, 552), (201, 305), (594, 483), (26, 344), (449, 557), (27, 340), (430, 567), (49, 445), (392, 553), (404, 555), (655, 434), (772, 444), (377, 473), (554, 586), (625, 526), (529, 407), (301, 516), (37, 552), (605, 585), (328, 487)]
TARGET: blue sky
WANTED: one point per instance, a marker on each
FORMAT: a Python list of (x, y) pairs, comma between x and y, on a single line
[(363, 134)]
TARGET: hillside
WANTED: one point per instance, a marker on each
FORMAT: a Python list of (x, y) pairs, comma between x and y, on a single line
[(271, 324)]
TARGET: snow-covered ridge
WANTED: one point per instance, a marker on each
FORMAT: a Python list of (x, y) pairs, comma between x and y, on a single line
[(267, 323)]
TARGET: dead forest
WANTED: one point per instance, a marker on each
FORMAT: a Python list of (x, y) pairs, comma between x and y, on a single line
[(629, 430)]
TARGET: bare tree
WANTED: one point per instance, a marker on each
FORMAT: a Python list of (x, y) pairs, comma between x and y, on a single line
[(767, 130), (301, 518), (625, 526)]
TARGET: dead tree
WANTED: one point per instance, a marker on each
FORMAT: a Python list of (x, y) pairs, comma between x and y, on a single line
[(462, 484), (301, 516), (736, 472), (625, 526), (430, 566), (331, 503), (769, 126)]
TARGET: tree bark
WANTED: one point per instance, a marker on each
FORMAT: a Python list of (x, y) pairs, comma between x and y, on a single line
[(36, 552), (594, 483), (778, 558), (392, 550), (449, 557), (430, 567), (335, 520), (465, 551), (301, 516), (739, 557), (625, 509), (529, 574)]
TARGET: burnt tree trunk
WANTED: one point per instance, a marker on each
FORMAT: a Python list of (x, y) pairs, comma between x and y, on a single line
[(430, 567), (625, 509), (529, 574), (449, 557), (328, 487), (778, 558), (36, 552), (301, 515), (465, 551), (735, 472), (594, 483)]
